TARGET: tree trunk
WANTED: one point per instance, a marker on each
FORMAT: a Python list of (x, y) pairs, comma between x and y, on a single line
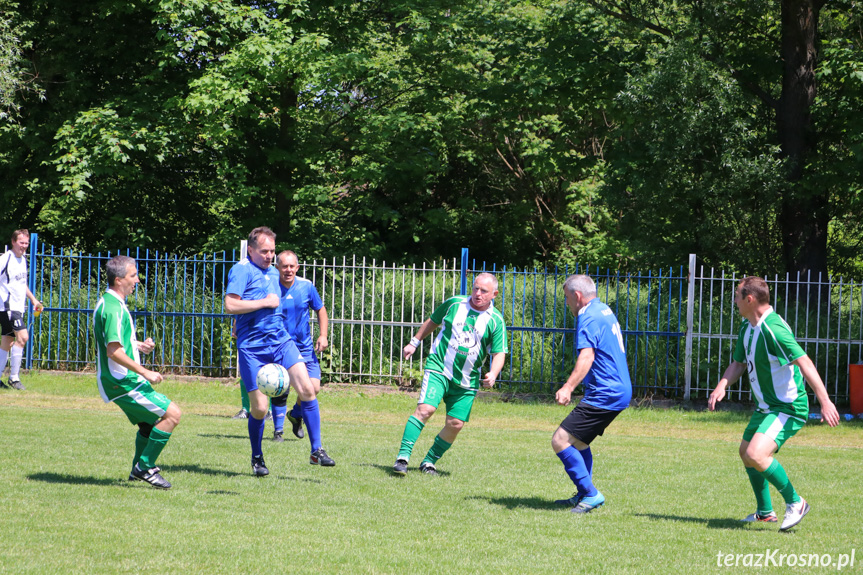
[(804, 214)]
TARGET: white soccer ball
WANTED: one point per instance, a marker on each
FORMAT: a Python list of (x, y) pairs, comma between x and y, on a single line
[(273, 380)]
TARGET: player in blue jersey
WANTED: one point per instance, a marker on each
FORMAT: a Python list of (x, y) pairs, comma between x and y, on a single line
[(601, 368), (253, 296), (298, 297)]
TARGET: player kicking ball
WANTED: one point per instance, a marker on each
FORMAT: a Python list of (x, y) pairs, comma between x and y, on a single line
[(253, 296), (777, 366)]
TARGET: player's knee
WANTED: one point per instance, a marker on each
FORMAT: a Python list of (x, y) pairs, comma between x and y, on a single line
[(21, 338), (173, 414), (560, 440), (455, 424), (424, 412)]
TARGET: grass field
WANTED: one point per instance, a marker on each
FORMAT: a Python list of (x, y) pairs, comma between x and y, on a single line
[(673, 480)]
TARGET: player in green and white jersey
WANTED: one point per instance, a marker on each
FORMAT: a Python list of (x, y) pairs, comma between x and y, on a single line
[(777, 365), (123, 380), (472, 329)]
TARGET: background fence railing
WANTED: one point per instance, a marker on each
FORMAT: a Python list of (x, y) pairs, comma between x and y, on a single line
[(679, 325)]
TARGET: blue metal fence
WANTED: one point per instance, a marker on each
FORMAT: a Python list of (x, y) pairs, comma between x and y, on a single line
[(669, 326)]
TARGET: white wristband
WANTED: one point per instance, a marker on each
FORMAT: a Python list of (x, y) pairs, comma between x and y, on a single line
[(414, 342)]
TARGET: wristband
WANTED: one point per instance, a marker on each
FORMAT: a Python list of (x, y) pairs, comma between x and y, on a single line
[(414, 342)]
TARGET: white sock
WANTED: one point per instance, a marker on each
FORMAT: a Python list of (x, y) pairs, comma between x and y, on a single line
[(15, 362), (4, 355)]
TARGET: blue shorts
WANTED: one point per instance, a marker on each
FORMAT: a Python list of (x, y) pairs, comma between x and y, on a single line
[(313, 366), (251, 360)]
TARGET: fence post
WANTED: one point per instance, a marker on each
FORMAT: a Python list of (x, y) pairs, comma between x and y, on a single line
[(31, 284), (690, 312), (244, 245), (464, 265)]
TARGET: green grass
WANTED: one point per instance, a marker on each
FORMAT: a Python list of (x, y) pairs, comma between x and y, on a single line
[(674, 484)]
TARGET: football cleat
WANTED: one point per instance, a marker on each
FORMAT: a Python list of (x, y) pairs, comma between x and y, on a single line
[(151, 476), (794, 513), (16, 384), (758, 518), (320, 457), (428, 468), (259, 468), (297, 425), (572, 501), (400, 467), (278, 437), (588, 504), (242, 414)]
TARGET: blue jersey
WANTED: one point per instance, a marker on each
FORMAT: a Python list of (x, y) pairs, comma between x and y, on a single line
[(296, 302), (264, 327), (607, 384)]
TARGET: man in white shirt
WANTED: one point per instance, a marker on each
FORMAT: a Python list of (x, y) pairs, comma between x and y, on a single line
[(13, 295)]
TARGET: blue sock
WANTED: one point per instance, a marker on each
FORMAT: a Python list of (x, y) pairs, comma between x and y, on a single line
[(312, 417), (297, 410), (256, 434), (588, 459), (279, 412), (573, 463)]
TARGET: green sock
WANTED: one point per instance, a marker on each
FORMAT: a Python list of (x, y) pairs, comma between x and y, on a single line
[(158, 439), (775, 474), (245, 396), (761, 489), (437, 450), (140, 443), (413, 428)]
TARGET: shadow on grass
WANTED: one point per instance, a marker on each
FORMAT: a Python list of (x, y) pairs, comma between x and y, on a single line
[(223, 436), (77, 479), (201, 470), (710, 523), (388, 470), (516, 502)]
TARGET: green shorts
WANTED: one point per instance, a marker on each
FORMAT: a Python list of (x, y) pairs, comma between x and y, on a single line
[(780, 427), (458, 400), (143, 405)]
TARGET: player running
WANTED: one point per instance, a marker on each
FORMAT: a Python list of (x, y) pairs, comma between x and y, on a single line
[(601, 368), (472, 329), (777, 365)]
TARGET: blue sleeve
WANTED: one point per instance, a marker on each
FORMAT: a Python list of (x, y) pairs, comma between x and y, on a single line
[(584, 336), (315, 301), (237, 280)]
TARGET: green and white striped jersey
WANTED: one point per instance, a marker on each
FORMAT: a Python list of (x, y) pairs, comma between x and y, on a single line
[(768, 349), (113, 322), (466, 338)]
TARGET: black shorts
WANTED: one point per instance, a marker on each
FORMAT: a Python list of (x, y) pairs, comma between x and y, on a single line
[(585, 422), (10, 322)]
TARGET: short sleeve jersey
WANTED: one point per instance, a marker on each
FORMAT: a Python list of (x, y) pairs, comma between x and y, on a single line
[(261, 328), (607, 384), (767, 349), (112, 322), (466, 338), (13, 282), (297, 300)]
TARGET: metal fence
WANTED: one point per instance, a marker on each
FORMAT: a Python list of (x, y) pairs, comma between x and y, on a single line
[(679, 325)]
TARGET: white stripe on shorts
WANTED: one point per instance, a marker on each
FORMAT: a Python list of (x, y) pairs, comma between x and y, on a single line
[(146, 403), (776, 427)]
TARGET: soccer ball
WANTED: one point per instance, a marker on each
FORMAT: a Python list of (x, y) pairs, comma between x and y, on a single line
[(273, 380)]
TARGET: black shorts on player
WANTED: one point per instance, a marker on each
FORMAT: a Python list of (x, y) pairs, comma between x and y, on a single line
[(585, 422), (10, 322)]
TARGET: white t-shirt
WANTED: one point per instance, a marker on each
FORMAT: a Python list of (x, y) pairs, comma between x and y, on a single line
[(13, 282)]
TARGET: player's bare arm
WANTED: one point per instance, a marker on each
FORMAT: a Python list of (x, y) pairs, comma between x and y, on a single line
[(235, 305), (732, 373), (118, 355), (829, 414), (497, 363), (426, 328), (324, 324), (582, 366)]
